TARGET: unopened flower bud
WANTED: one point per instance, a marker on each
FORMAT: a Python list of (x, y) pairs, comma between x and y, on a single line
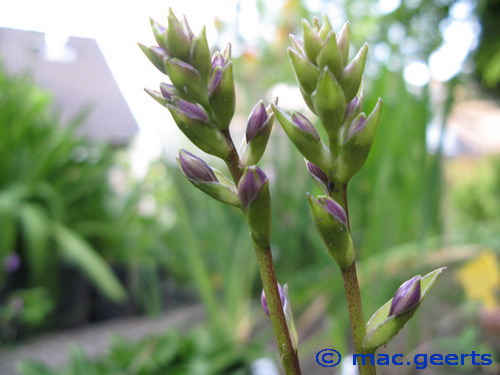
[(312, 41), (207, 179), (178, 39), (194, 122), (343, 37), (156, 96), (168, 91), (259, 127), (329, 102), (318, 176), (195, 168), (307, 73), (156, 55), (305, 137), (187, 80), (253, 190), (12, 263), (357, 143), (330, 56), (406, 297), (256, 120), (199, 55), (159, 32), (353, 74), (331, 222), (186, 28), (353, 108), (221, 92)]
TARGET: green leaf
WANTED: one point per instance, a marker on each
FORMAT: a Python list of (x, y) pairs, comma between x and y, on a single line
[(381, 328), (82, 255), (36, 232)]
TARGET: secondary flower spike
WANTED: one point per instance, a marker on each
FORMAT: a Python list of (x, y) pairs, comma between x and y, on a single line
[(194, 168), (407, 296)]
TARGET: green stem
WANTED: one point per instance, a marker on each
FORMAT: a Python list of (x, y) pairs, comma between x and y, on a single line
[(352, 292), (288, 353)]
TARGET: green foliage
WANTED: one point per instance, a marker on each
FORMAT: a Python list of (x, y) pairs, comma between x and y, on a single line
[(50, 181), (201, 351)]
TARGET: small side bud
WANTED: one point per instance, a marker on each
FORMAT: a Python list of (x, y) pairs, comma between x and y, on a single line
[(406, 297), (156, 96), (156, 55), (325, 29), (253, 190), (353, 108), (353, 74), (330, 220), (263, 299), (256, 120), (159, 32), (207, 179), (168, 91)]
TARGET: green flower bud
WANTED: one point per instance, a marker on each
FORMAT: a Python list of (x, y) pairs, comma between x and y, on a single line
[(325, 29), (297, 45), (306, 72), (329, 102), (357, 143), (343, 37), (178, 39), (330, 220), (159, 32), (253, 190), (330, 56), (222, 94), (353, 108), (187, 80), (194, 122), (156, 55), (353, 74), (208, 179), (312, 41), (383, 325), (305, 137), (258, 131), (200, 55)]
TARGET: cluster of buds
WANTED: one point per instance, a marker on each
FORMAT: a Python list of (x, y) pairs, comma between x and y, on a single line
[(332, 88), (201, 100)]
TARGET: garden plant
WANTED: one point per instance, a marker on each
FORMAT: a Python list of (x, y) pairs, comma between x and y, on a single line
[(201, 100)]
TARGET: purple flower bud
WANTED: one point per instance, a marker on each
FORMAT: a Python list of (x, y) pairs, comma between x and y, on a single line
[(334, 209), (305, 125), (354, 106), (250, 185), (256, 120), (214, 81), (263, 300), (218, 61), (194, 168), (12, 263), (168, 91), (317, 173), (187, 28), (406, 297), (192, 110)]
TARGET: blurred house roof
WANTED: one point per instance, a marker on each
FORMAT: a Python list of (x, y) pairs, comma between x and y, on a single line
[(75, 71)]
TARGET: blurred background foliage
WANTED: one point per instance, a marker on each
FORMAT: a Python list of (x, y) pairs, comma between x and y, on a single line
[(154, 243)]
